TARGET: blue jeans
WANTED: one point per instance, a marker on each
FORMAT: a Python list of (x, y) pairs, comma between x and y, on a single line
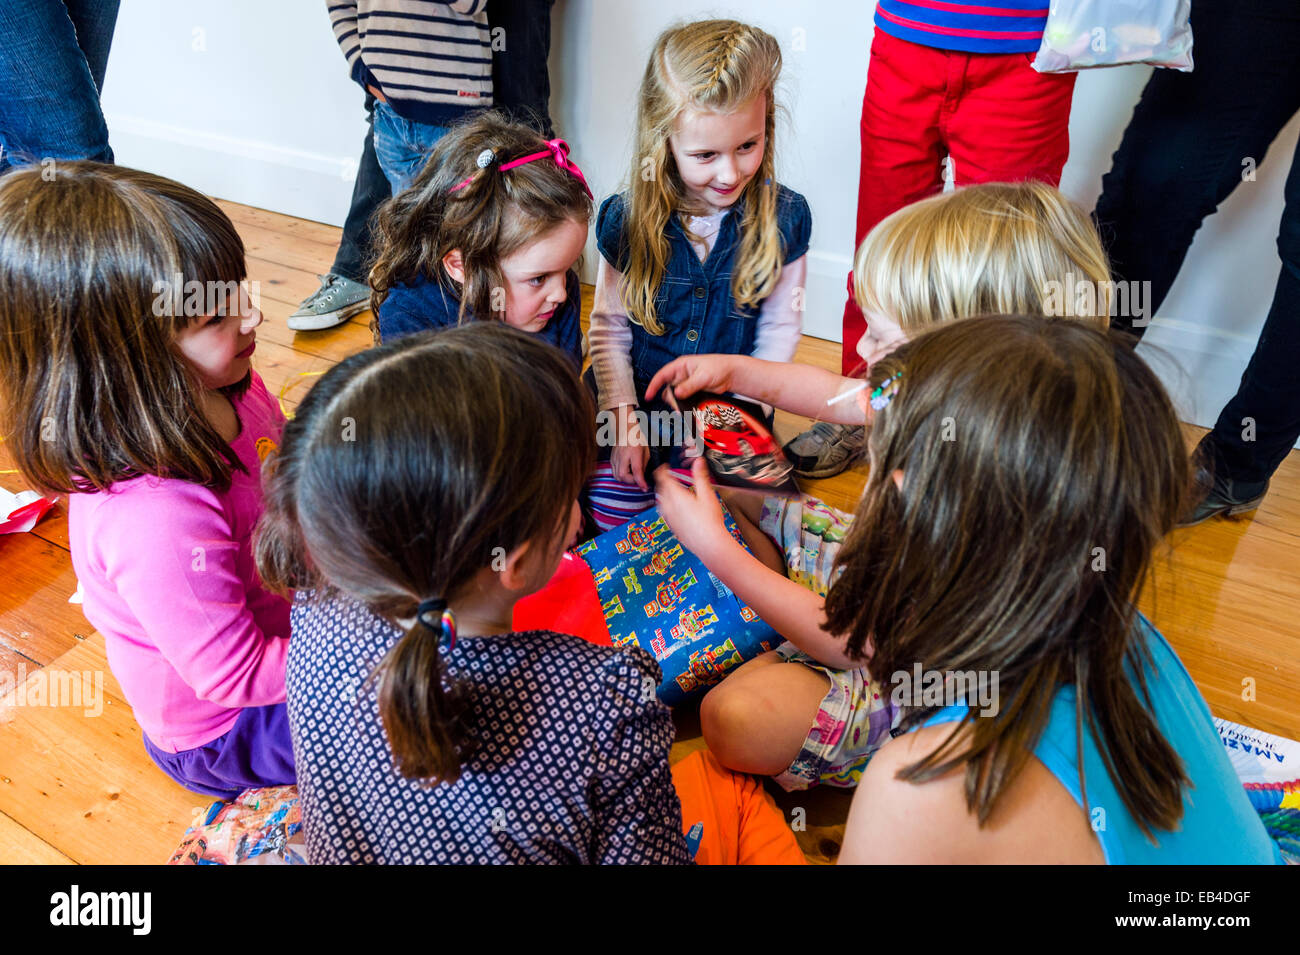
[(368, 193), (52, 59), (1180, 157), (402, 146)]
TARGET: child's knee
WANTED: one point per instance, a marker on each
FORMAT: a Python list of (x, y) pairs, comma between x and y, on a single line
[(725, 712)]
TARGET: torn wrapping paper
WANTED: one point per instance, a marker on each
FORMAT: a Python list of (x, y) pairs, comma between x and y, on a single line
[(20, 512)]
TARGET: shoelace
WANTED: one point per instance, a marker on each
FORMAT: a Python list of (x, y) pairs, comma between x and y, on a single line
[(327, 288)]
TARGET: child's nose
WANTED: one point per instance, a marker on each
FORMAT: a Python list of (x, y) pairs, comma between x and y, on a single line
[(727, 172), (252, 319), (866, 345)]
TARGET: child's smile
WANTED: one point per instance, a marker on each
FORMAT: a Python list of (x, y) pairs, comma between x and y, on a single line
[(717, 154)]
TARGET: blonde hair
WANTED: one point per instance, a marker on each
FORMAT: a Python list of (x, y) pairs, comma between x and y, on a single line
[(997, 248), (718, 66)]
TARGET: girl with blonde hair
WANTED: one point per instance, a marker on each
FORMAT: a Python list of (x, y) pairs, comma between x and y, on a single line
[(987, 249), (704, 251)]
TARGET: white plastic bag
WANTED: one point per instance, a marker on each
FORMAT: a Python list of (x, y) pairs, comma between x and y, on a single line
[(1085, 34)]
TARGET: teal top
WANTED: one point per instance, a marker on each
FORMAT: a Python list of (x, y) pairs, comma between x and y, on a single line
[(1219, 825)]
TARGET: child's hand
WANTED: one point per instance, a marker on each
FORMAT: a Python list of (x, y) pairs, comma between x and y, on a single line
[(693, 514), (691, 373), (631, 454)]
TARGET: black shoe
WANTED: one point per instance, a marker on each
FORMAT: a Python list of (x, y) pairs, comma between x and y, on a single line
[(1226, 498)]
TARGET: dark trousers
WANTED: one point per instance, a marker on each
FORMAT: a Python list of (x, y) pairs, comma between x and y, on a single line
[(352, 261), (521, 84), (1182, 154)]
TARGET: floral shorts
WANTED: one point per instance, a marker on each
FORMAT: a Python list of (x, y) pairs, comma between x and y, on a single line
[(856, 715), (809, 533), (854, 720)]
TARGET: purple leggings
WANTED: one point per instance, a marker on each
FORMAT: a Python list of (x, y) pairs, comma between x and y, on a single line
[(255, 752)]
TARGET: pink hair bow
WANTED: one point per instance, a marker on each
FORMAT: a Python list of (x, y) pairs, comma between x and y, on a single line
[(556, 149)]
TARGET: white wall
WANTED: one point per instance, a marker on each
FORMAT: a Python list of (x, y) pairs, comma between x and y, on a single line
[(250, 100), (245, 99)]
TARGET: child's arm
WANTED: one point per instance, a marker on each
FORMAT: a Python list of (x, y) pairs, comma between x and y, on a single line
[(795, 612), (610, 337), (800, 389), (172, 558), (780, 318)]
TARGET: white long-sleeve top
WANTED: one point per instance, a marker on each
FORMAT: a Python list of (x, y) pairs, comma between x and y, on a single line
[(780, 319)]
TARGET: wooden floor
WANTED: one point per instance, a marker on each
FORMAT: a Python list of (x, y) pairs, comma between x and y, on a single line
[(77, 787)]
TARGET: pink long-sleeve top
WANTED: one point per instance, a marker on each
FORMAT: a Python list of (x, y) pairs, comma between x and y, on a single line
[(166, 569)]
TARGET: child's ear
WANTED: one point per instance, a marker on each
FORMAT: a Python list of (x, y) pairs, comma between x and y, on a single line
[(513, 568), (454, 265)]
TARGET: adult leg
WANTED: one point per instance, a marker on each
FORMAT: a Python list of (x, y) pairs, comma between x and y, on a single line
[(521, 83), (94, 22), (344, 290), (1193, 134), (1261, 422), (49, 90), (370, 190)]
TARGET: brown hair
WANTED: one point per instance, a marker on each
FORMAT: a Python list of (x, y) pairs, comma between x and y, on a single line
[(394, 502), (493, 216), (716, 65), (92, 387), (1024, 447)]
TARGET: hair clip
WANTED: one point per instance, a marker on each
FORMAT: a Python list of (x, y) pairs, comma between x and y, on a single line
[(485, 158), (883, 395), (446, 620)]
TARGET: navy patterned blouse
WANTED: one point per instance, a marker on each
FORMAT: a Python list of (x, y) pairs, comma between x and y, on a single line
[(570, 762)]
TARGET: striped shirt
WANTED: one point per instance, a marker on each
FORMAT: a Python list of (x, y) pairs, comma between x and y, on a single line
[(432, 61), (1008, 26)]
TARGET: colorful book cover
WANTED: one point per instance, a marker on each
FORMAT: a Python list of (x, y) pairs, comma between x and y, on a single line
[(660, 596), (737, 444), (1269, 768)]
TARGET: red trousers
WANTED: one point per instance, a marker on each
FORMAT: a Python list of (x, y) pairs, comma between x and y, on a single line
[(992, 115)]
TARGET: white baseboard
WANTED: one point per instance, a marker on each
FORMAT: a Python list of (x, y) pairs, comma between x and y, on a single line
[(297, 183)]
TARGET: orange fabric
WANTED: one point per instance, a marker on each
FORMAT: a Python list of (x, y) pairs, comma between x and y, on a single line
[(742, 823)]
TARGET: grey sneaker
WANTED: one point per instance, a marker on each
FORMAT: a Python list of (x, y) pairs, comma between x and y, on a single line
[(337, 300), (826, 449)]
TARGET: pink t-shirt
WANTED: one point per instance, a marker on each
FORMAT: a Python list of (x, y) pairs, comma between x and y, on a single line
[(166, 567)]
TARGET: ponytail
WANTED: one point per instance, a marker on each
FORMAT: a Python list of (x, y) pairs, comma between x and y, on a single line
[(421, 716)]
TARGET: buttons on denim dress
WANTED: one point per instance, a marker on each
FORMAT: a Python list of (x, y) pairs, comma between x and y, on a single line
[(701, 291), (692, 335)]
